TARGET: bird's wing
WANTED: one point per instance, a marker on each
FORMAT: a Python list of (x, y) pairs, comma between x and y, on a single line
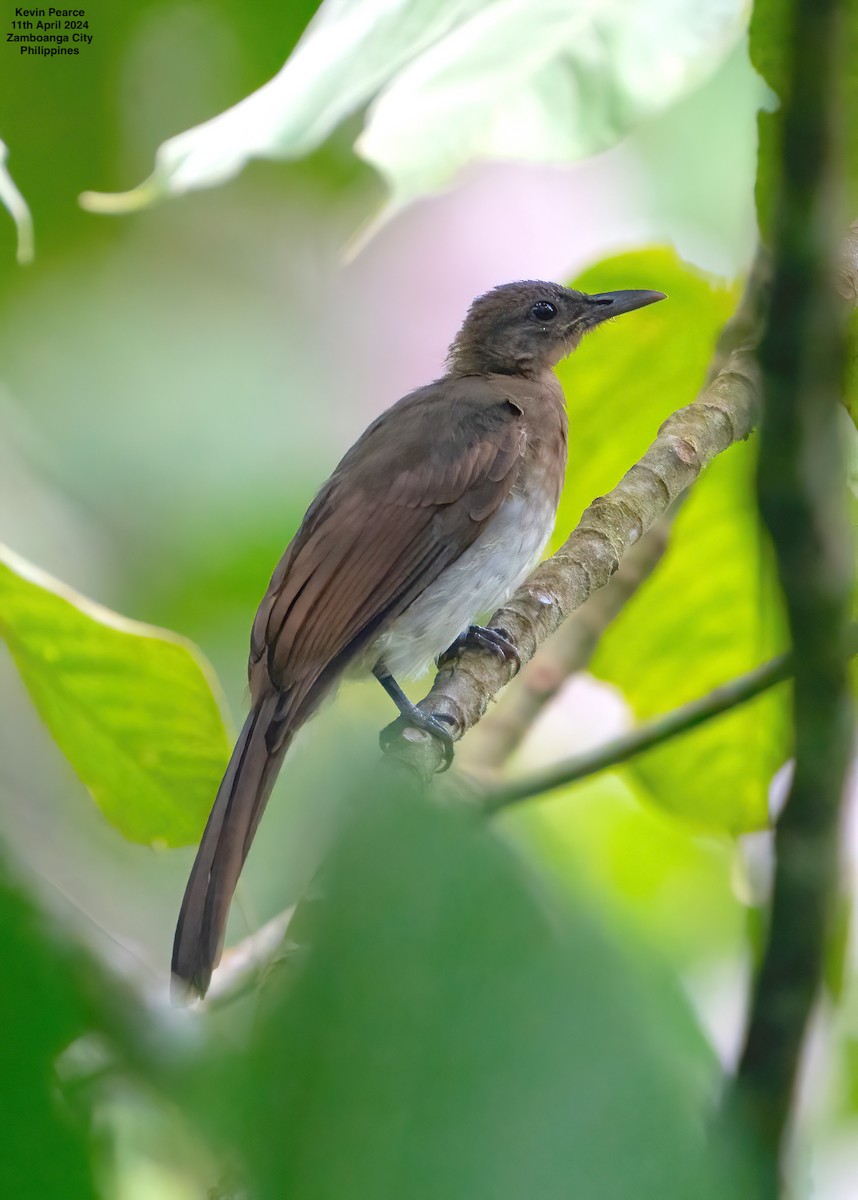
[(406, 501)]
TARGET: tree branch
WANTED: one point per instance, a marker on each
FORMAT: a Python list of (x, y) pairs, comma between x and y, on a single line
[(563, 655), (801, 488), (246, 965), (723, 413)]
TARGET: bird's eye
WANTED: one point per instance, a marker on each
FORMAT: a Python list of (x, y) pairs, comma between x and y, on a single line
[(543, 311)]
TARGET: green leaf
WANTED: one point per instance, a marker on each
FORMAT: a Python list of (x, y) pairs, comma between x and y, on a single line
[(454, 1030), (709, 612), (599, 835), (629, 376), (349, 51), (41, 1011), (770, 54), (455, 80), (552, 82), (135, 709)]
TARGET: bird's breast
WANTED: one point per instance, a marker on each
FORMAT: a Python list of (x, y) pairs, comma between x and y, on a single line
[(481, 579)]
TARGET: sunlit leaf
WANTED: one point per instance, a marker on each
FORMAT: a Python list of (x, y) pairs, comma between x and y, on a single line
[(602, 834), (135, 709), (548, 82), (709, 612), (350, 50), (631, 374), (457, 1031), (454, 80)]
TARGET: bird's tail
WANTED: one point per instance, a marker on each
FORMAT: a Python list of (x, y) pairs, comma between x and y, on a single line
[(238, 806)]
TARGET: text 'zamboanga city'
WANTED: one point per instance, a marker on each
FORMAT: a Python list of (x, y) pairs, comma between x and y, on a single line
[(50, 31)]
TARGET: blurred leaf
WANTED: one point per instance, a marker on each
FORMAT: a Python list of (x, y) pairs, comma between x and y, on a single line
[(770, 54), (600, 835), (836, 968), (16, 206), (349, 51), (455, 80), (700, 163), (135, 709), (849, 1083), (80, 1044), (548, 82), (155, 67), (44, 1155), (709, 612), (769, 47), (455, 1031)]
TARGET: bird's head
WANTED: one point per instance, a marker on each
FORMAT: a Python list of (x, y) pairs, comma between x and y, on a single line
[(524, 328)]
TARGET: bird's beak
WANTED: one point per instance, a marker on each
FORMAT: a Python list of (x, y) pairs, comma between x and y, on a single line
[(613, 304)]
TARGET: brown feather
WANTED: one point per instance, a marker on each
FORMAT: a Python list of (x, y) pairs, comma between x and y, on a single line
[(411, 498), (389, 559), (459, 445)]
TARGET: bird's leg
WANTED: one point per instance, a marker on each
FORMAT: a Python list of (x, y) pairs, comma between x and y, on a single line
[(411, 715), (497, 640)]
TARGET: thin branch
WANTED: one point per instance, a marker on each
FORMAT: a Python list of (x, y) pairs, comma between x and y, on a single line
[(723, 413), (801, 488), (619, 750), (681, 720)]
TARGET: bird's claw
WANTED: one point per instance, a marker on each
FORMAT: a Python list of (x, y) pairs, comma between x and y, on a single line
[(494, 639), (417, 720)]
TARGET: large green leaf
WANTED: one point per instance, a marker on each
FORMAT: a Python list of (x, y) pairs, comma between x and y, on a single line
[(454, 80), (552, 82), (135, 709), (709, 612), (629, 376), (455, 1031)]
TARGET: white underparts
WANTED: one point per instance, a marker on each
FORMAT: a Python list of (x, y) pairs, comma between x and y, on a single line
[(479, 581)]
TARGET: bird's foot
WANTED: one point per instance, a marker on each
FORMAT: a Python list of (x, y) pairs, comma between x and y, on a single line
[(496, 640), (415, 719)]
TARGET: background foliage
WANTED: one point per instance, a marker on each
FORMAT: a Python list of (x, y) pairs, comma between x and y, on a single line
[(537, 1007)]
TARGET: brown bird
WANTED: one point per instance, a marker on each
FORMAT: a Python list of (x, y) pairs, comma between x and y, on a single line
[(435, 515)]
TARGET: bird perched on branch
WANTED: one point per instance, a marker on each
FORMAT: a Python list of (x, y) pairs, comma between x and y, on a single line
[(435, 515)]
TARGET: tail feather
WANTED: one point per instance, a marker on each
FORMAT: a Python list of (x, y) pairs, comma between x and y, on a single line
[(238, 806)]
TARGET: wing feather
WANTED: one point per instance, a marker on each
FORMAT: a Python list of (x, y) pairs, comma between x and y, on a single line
[(376, 536)]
